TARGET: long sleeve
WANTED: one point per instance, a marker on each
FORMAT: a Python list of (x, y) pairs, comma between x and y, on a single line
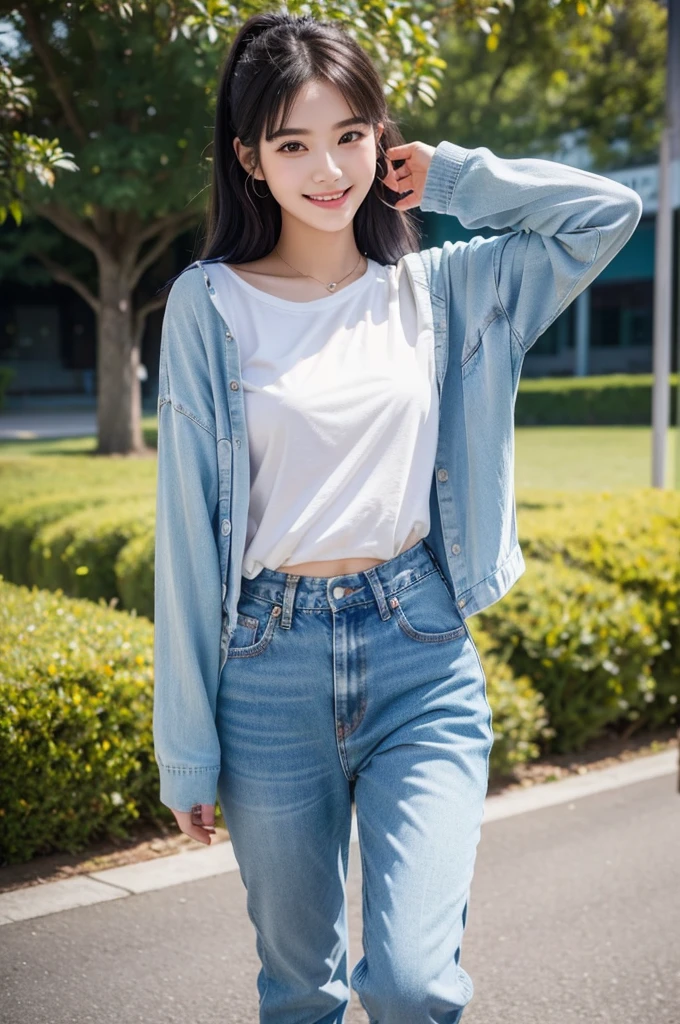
[(187, 590), (567, 225)]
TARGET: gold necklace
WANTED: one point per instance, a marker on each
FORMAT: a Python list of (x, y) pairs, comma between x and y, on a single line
[(330, 287)]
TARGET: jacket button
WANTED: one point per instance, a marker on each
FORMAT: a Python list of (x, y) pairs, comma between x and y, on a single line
[(237, 442), (461, 603), (442, 474), (233, 385), (455, 548), (229, 335), (226, 527)]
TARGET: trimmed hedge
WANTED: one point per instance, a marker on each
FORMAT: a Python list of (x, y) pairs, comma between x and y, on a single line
[(621, 399), (76, 756), (76, 741), (631, 540), (592, 650)]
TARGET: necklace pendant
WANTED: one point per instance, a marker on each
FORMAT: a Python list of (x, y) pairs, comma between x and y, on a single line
[(332, 286)]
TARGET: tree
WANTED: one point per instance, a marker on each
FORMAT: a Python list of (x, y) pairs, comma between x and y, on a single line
[(549, 70), (128, 88)]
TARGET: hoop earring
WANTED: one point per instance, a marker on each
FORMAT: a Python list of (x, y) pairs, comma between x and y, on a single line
[(252, 185)]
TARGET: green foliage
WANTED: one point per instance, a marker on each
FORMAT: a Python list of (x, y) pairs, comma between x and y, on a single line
[(544, 70), (617, 398), (76, 745), (7, 374), (519, 718), (134, 572), (631, 541), (588, 646), (78, 552)]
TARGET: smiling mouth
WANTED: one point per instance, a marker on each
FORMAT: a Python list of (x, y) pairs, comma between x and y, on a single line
[(328, 202)]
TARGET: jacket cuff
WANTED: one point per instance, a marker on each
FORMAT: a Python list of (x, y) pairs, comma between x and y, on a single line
[(181, 788), (442, 175)]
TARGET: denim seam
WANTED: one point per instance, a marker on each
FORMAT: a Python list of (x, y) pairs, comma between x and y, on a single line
[(190, 416)]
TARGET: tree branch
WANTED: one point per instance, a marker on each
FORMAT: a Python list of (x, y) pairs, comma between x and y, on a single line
[(174, 226), (512, 55), (65, 277), (141, 314), (73, 227)]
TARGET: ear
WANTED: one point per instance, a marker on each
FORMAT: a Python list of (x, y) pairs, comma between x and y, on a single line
[(245, 156)]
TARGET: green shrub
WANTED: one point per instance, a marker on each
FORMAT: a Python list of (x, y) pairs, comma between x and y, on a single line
[(519, 718), (614, 399), (78, 552), (134, 570), (76, 748), (589, 647), (631, 540)]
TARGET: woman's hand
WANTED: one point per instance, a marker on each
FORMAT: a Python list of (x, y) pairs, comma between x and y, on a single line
[(414, 159), (199, 822)]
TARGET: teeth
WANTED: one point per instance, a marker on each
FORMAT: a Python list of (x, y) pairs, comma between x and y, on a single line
[(327, 199)]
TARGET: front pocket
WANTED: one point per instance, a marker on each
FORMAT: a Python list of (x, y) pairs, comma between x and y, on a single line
[(426, 611), (255, 625)]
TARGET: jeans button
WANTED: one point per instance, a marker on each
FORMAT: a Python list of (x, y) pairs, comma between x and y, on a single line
[(338, 592)]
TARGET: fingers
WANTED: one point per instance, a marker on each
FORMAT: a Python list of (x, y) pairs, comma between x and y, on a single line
[(199, 823)]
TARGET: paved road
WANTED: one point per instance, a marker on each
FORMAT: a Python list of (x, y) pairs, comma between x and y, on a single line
[(574, 916), (30, 424)]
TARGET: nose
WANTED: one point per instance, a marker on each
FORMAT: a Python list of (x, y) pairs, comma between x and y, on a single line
[(333, 172)]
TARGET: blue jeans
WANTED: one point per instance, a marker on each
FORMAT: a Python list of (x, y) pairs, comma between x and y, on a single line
[(363, 688)]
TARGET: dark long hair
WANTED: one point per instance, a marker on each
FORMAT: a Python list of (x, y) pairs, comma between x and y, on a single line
[(271, 58)]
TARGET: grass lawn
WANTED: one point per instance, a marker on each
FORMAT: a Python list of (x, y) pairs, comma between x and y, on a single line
[(561, 458)]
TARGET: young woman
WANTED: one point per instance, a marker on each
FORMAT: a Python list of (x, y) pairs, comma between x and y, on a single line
[(335, 498)]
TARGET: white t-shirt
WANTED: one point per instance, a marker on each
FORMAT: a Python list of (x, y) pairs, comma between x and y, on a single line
[(342, 417)]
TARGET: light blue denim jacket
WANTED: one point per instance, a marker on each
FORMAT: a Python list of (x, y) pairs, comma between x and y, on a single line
[(486, 301)]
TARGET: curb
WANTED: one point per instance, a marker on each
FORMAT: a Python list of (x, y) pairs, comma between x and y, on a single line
[(191, 865)]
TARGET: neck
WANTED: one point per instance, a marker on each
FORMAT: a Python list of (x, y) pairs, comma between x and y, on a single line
[(326, 256)]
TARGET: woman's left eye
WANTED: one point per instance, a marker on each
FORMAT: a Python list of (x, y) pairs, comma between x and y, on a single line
[(284, 148)]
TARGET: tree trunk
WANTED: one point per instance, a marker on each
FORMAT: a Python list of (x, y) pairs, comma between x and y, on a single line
[(119, 390)]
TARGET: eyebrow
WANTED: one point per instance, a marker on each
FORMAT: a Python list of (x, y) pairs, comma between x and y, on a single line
[(306, 131)]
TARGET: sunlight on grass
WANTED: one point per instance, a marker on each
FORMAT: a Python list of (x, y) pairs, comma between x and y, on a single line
[(563, 458), (588, 458)]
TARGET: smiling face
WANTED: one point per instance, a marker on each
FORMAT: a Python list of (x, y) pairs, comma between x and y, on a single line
[(316, 153)]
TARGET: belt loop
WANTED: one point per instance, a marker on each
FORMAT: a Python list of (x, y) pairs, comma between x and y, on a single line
[(378, 593), (289, 600)]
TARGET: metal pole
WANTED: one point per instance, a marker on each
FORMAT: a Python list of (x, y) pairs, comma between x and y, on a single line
[(663, 258), (673, 93)]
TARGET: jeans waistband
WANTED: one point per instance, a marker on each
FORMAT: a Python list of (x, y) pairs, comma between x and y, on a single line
[(354, 588)]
